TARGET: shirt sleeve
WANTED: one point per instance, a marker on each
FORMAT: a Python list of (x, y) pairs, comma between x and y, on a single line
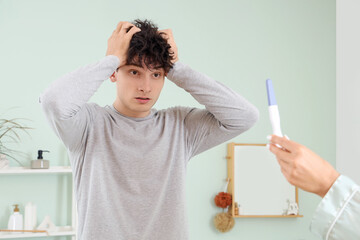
[(64, 101), (338, 215), (226, 114)]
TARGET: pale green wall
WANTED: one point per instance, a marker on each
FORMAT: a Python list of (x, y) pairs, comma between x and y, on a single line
[(240, 43)]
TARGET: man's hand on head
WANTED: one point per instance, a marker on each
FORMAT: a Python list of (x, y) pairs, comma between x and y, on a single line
[(119, 41), (168, 35)]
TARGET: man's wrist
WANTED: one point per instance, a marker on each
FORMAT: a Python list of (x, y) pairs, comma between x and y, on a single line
[(114, 59)]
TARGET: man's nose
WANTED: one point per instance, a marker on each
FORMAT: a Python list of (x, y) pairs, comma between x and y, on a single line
[(145, 85)]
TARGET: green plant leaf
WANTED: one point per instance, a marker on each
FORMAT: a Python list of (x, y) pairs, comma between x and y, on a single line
[(10, 129)]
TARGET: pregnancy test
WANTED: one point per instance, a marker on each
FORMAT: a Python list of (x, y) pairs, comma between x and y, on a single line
[(273, 109)]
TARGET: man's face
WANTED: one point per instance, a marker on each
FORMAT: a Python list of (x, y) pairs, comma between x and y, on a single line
[(138, 89)]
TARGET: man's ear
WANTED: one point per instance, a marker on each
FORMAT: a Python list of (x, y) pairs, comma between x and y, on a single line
[(113, 78)]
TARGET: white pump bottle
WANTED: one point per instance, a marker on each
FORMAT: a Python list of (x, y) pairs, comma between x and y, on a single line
[(16, 220)]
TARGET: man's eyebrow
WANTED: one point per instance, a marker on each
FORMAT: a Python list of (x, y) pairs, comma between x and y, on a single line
[(130, 65), (142, 67), (135, 65), (158, 68)]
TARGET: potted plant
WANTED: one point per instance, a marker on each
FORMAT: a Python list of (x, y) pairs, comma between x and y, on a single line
[(10, 130)]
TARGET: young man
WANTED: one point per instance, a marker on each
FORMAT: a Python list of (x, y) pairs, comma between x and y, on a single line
[(129, 160)]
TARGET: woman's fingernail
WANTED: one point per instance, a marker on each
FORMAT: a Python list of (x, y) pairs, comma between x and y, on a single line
[(268, 146), (286, 137), (268, 137)]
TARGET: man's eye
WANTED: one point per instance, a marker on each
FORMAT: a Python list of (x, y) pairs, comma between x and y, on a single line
[(157, 75), (133, 72)]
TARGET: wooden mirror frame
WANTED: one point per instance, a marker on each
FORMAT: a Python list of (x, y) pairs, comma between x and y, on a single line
[(231, 187)]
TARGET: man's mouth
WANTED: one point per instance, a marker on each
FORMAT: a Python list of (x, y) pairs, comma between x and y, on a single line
[(142, 99)]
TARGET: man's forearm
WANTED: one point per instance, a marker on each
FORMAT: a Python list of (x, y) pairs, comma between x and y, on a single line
[(229, 108), (65, 96)]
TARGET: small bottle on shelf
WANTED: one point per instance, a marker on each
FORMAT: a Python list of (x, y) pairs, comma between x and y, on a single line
[(16, 220), (236, 209)]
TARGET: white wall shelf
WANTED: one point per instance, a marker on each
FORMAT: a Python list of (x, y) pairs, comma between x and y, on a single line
[(63, 231), (5, 235), (25, 170)]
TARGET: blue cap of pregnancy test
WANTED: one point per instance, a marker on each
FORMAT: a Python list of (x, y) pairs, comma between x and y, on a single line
[(270, 92)]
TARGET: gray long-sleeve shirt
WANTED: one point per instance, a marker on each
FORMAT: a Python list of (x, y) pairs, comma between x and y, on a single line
[(129, 173)]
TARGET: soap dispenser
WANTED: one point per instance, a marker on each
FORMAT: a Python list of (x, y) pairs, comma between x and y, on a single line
[(40, 163), (16, 220)]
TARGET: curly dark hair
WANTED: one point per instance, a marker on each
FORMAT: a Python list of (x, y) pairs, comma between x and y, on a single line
[(149, 47)]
